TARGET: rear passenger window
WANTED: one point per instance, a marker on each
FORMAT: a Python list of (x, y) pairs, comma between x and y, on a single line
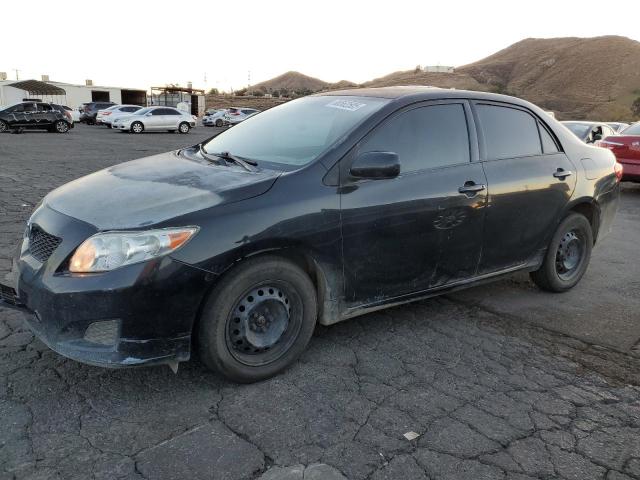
[(423, 138), (508, 132), (548, 143)]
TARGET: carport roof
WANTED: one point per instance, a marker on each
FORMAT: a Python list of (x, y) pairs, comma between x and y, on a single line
[(38, 88)]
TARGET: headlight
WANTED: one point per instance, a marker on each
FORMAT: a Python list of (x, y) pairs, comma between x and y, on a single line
[(110, 250)]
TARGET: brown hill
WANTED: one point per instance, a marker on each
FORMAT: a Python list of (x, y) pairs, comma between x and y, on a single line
[(577, 77), (580, 78), (291, 81)]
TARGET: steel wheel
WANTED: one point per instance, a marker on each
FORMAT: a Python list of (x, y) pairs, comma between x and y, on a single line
[(261, 327), (184, 127), (62, 126), (569, 254), (137, 127)]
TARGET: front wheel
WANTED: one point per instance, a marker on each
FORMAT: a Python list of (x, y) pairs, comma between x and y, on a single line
[(258, 320), (61, 126), (4, 126), (567, 256), (184, 127), (219, 122), (137, 127)]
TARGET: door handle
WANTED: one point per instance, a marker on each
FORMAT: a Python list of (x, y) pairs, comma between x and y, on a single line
[(562, 174), (471, 187)]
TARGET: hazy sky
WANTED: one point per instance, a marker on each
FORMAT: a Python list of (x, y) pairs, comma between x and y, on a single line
[(144, 43)]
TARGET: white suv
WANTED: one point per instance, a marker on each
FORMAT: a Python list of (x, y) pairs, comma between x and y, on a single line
[(154, 119)]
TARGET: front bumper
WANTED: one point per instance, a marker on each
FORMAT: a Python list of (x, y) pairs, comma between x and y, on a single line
[(141, 314)]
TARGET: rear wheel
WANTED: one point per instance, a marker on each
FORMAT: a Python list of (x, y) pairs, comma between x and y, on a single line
[(184, 127), (137, 127), (567, 256), (61, 126), (258, 320)]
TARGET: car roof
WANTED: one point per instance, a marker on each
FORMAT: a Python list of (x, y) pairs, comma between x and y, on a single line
[(411, 93)]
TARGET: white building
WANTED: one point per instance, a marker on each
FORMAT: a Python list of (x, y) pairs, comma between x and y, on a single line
[(12, 91), (439, 69)]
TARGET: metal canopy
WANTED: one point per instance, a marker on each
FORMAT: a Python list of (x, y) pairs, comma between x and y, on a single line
[(35, 87)]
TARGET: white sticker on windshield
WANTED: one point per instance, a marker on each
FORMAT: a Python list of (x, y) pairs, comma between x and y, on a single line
[(349, 105)]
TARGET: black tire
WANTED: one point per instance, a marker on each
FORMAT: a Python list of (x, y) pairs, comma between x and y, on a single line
[(137, 127), (567, 256), (284, 298), (4, 126), (184, 127), (219, 122), (61, 126)]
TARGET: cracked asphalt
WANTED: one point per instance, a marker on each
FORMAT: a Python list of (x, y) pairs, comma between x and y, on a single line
[(499, 382)]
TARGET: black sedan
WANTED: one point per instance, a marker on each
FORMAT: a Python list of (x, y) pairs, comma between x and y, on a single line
[(318, 210), (35, 115)]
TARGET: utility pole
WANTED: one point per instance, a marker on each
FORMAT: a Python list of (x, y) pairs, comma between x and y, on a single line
[(249, 80), (17, 73)]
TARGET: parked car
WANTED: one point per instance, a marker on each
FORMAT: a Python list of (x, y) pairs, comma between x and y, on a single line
[(235, 115), (589, 132), (618, 126), (75, 114), (104, 116), (35, 115), (626, 148), (89, 111), (318, 210), (214, 118), (156, 118)]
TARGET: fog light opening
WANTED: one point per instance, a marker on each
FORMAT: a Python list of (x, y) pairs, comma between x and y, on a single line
[(103, 332)]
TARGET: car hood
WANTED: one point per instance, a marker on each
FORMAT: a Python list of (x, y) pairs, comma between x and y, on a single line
[(155, 189)]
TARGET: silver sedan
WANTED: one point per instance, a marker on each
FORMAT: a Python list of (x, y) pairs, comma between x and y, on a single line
[(155, 119)]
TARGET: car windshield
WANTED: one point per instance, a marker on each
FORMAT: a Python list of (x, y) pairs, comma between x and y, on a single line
[(579, 129), (296, 132), (632, 129)]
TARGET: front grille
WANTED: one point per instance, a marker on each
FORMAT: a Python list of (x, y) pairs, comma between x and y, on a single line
[(42, 244)]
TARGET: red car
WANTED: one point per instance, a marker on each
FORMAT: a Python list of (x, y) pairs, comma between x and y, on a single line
[(626, 147)]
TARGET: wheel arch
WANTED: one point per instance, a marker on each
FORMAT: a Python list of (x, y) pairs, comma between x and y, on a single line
[(326, 278), (589, 208)]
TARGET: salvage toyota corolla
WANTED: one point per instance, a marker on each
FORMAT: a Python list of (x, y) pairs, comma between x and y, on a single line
[(318, 210)]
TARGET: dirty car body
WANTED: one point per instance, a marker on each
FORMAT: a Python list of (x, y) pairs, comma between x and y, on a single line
[(367, 236)]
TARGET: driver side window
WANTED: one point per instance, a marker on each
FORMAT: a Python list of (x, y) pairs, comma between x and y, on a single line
[(424, 138)]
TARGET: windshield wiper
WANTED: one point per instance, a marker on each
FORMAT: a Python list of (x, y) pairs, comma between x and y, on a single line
[(243, 162), (213, 159)]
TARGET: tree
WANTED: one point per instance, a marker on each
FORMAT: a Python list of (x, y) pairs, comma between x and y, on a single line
[(241, 92), (213, 91)]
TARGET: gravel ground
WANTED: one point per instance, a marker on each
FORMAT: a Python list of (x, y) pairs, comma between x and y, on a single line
[(491, 390)]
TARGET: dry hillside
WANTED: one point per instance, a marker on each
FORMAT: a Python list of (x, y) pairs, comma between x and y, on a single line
[(578, 77)]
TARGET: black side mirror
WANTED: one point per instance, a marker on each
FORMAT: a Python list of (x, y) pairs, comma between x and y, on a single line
[(376, 165)]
